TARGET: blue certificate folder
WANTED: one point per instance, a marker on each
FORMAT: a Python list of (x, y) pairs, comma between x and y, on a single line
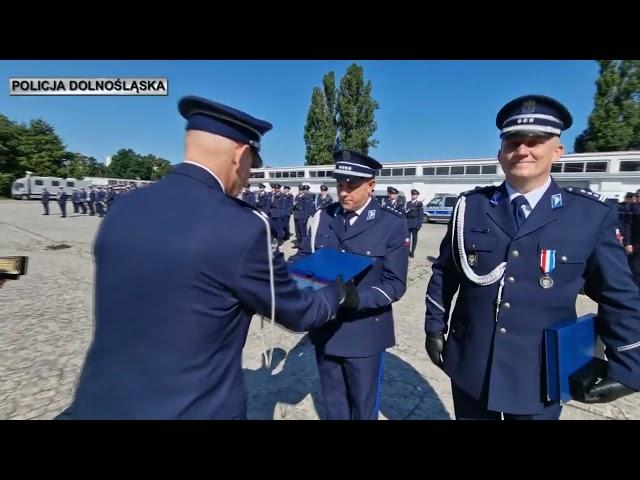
[(569, 346), (322, 267)]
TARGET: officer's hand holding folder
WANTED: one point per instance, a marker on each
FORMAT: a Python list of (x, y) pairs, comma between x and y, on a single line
[(328, 265), (574, 372)]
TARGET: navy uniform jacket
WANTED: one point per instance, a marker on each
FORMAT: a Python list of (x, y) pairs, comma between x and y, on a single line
[(632, 226), (92, 196), (62, 197), (323, 202), (398, 206), (75, 197), (174, 298), (100, 196), (288, 205), (45, 197), (277, 206), (249, 197), (415, 213), (377, 233), (301, 206), (83, 196), (263, 202), (503, 357)]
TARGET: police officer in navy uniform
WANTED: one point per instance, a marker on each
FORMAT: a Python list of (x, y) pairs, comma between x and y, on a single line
[(277, 211), (248, 196), (392, 201), (174, 300), (518, 255), (324, 200), (75, 199), (415, 213), (300, 214), (92, 201), (62, 202), (100, 202), (83, 200), (262, 199), (288, 210), (45, 200), (350, 352), (632, 237)]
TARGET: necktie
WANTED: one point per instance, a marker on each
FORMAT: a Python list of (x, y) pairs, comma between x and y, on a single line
[(347, 219), (518, 211)]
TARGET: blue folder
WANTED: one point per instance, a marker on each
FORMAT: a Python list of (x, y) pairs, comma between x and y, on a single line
[(569, 346), (322, 267)]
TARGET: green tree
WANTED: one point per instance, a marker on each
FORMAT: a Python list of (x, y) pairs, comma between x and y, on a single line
[(356, 111), (40, 149), (126, 164), (319, 132), (614, 123)]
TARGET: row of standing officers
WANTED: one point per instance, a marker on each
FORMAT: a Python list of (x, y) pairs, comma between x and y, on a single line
[(96, 201)]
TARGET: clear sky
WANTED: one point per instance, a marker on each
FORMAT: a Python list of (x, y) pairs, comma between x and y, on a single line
[(429, 110)]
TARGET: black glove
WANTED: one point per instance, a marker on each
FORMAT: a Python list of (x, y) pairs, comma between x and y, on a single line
[(434, 345), (605, 390), (348, 294)]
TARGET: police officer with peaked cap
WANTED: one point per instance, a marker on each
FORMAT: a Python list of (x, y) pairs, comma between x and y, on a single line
[(174, 297), (524, 251), (414, 212), (392, 200), (350, 351), (248, 196)]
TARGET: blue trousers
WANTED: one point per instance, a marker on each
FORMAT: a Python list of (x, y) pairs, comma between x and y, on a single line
[(350, 386)]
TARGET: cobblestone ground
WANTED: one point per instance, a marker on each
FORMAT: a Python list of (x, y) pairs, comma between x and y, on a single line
[(46, 325)]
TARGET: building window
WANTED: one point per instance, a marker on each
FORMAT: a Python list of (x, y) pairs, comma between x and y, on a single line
[(457, 170), (630, 166), (69, 184), (472, 170), (397, 172), (409, 171), (574, 167), (556, 167), (385, 172), (428, 171), (55, 183), (489, 169), (594, 167), (442, 171), (38, 182)]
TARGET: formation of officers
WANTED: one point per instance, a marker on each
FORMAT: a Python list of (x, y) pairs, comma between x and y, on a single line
[(174, 302), (97, 201), (279, 204)]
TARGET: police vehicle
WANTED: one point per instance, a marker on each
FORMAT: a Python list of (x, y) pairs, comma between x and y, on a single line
[(31, 186), (440, 208)]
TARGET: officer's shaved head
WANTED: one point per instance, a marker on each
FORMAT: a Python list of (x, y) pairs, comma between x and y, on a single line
[(228, 159)]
